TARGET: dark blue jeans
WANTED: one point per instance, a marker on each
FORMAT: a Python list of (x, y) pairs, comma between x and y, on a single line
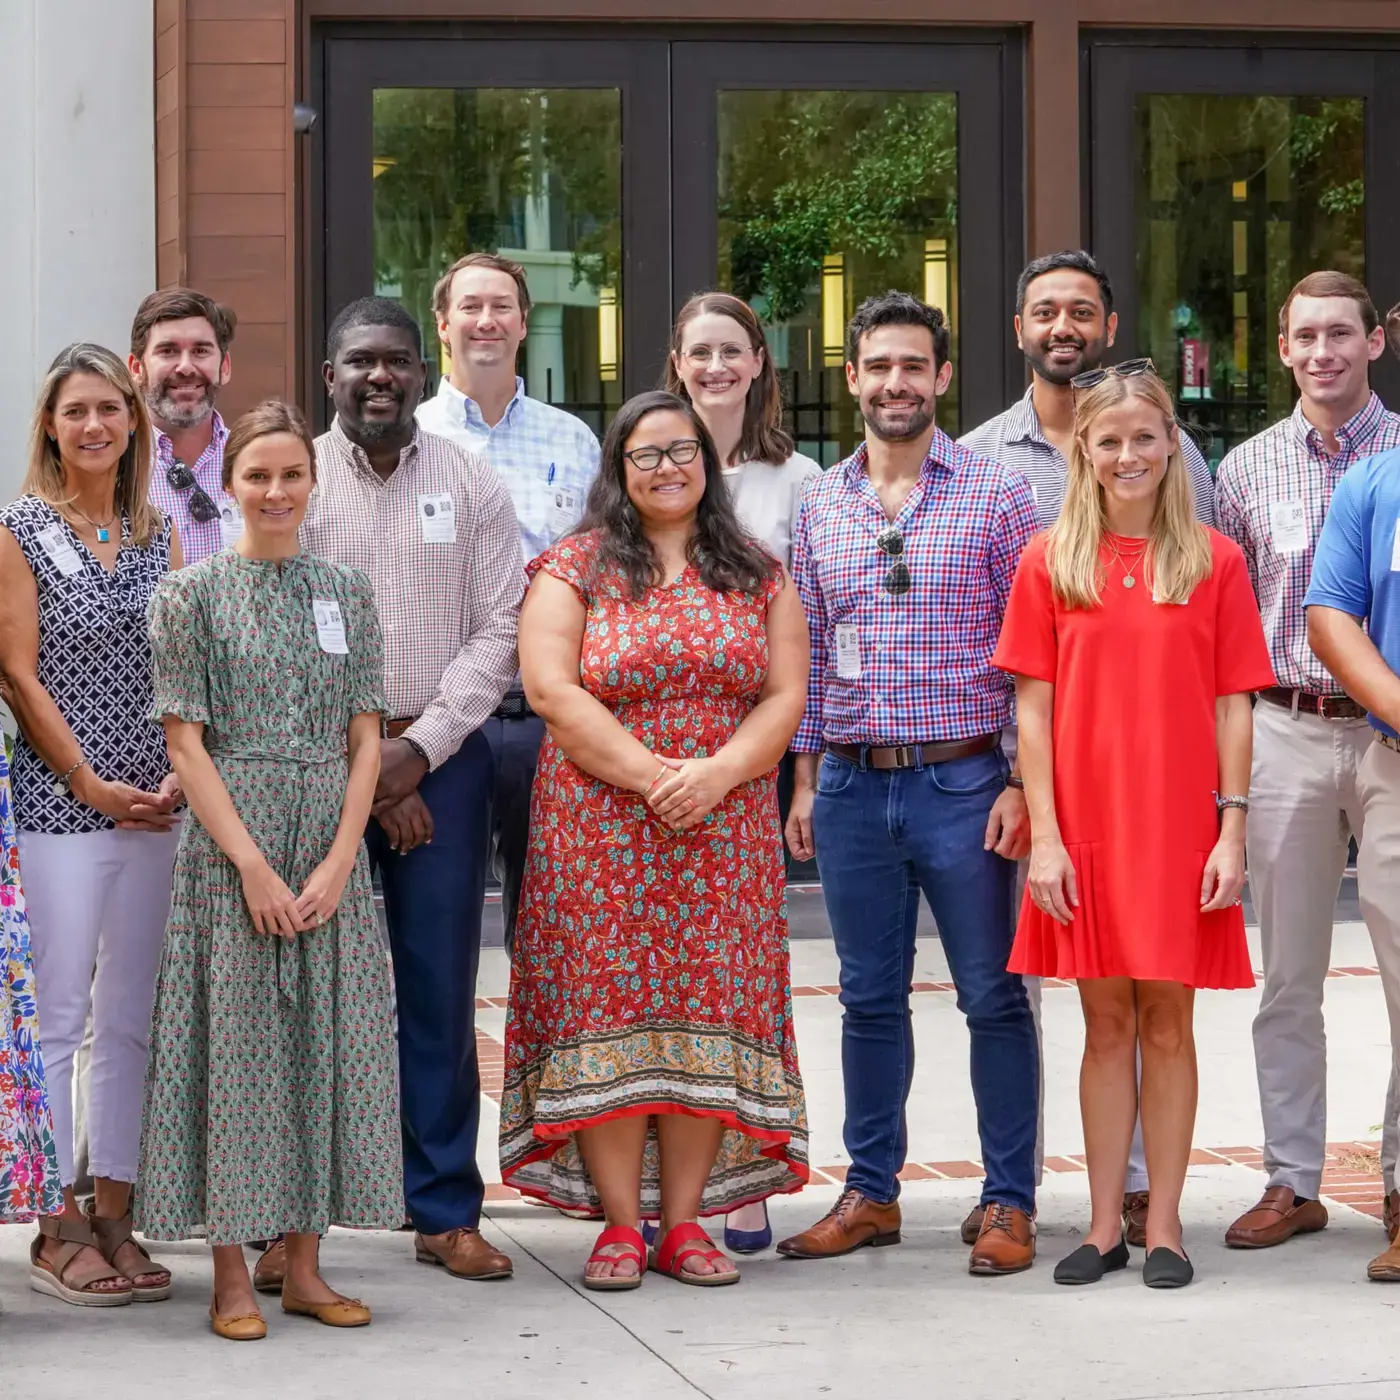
[(881, 838), (433, 897)]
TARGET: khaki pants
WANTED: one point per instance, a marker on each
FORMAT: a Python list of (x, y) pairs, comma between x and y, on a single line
[(1378, 875), (1305, 804)]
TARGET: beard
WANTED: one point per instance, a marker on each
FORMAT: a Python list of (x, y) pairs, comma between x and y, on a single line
[(1091, 354), (181, 416), (372, 433), (914, 425)]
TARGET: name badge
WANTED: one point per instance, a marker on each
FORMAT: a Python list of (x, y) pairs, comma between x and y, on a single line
[(438, 519), (1289, 523), (230, 524), (848, 651), (565, 510), (64, 556), (330, 626)]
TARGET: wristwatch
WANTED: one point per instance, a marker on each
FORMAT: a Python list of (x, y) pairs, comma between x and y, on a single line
[(1018, 783), (417, 748)]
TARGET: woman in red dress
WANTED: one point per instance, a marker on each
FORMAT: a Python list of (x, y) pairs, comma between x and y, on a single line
[(650, 1062), (1134, 638)]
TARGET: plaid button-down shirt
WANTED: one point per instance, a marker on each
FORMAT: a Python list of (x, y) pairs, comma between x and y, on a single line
[(547, 458), (925, 659), (1272, 495), (1015, 439), (449, 610), (198, 538)]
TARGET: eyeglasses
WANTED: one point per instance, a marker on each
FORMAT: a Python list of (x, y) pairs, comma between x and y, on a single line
[(702, 355), (682, 452), (891, 544), (1129, 369), (181, 478)]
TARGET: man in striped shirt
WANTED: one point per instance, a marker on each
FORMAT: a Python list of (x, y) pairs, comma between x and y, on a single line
[(434, 529), (1273, 493), (903, 556)]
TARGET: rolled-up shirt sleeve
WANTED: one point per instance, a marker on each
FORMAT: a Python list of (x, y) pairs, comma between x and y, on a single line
[(479, 675)]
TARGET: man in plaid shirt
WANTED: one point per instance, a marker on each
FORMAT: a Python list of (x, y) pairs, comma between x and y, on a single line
[(434, 529), (903, 556), (1273, 494)]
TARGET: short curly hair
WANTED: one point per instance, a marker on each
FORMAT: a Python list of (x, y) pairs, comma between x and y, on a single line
[(897, 309)]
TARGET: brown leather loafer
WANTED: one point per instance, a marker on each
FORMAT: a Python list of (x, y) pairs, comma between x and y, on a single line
[(464, 1254), (853, 1222), (972, 1226), (270, 1273), (1275, 1219), (1390, 1215), (1385, 1268), (1135, 1218), (1006, 1244)]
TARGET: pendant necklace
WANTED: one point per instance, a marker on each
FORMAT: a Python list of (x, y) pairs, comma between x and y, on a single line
[(1130, 564), (104, 532)]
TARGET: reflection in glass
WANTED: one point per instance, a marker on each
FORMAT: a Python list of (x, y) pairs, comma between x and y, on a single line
[(1238, 198), (534, 175), (824, 199)]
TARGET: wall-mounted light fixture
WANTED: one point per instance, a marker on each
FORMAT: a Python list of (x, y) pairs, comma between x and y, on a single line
[(607, 334), (304, 117), (834, 310), (936, 275)]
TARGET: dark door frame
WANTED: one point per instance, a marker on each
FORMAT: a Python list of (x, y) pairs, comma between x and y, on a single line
[(1120, 68), (990, 198), (668, 162)]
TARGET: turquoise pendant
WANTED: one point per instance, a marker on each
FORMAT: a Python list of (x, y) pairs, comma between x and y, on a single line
[(103, 536)]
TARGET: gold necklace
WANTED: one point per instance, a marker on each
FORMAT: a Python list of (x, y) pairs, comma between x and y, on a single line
[(1130, 564)]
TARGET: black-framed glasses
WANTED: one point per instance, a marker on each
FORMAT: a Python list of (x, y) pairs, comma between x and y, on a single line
[(1129, 369), (682, 452), (181, 478), (890, 543)]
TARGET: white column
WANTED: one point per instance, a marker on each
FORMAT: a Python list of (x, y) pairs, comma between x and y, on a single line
[(77, 167), (544, 352)]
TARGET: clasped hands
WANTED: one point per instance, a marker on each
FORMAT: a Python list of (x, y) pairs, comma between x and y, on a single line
[(274, 909), (686, 790)]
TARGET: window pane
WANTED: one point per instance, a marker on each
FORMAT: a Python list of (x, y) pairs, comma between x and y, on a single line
[(824, 199), (534, 175), (1238, 198)]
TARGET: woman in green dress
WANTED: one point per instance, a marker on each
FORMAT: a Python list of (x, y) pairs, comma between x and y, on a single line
[(272, 1094)]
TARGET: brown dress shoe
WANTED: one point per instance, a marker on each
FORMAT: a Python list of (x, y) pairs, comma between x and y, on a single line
[(271, 1271), (972, 1226), (1135, 1218), (1390, 1215), (854, 1221), (1385, 1268), (1275, 1219), (1006, 1244), (464, 1254)]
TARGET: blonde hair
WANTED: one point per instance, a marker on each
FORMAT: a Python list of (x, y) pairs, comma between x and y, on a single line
[(45, 477), (1178, 553)]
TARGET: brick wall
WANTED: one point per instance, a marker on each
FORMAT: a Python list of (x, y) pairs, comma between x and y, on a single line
[(225, 220)]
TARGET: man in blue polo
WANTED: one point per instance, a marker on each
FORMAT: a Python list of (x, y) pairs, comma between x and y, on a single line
[(1353, 612)]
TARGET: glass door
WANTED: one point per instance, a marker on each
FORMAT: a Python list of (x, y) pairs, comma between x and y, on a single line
[(811, 175), (1220, 177)]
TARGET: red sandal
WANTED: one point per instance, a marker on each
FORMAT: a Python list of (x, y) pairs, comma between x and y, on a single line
[(680, 1242), (636, 1249)]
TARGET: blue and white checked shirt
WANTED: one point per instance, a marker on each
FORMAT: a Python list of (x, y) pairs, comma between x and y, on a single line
[(925, 659), (1015, 439), (198, 538), (546, 458)]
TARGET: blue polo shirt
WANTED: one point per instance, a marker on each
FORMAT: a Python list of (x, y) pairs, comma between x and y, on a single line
[(1357, 566)]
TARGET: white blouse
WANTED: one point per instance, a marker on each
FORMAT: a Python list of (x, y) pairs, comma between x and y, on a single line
[(766, 499)]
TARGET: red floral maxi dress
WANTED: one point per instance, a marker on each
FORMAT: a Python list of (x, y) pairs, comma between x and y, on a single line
[(651, 966)]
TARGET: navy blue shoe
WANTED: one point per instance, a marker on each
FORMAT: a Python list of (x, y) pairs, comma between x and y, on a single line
[(649, 1229), (749, 1241)]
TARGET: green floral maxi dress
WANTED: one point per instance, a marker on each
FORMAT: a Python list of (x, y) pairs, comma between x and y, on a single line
[(272, 1091)]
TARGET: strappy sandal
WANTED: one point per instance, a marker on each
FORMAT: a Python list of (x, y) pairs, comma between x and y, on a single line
[(111, 1235), (680, 1243), (636, 1249), (47, 1277)]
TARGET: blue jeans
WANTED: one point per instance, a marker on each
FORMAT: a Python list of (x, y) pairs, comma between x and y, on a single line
[(433, 897), (881, 838)]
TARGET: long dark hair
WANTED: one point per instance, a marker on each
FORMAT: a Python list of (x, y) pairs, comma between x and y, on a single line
[(725, 556), (764, 438)]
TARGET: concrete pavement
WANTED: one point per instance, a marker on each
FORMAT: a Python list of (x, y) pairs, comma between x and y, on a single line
[(1299, 1321)]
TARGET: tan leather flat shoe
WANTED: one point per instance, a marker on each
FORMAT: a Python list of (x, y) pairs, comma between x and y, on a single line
[(344, 1312), (250, 1327)]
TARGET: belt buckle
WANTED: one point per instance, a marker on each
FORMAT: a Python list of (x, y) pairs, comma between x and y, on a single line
[(904, 755)]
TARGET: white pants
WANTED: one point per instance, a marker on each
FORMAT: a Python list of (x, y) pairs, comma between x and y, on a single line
[(1304, 806), (98, 902)]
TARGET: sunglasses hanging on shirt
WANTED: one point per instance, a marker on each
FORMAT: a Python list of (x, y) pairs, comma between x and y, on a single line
[(890, 543), (181, 478)]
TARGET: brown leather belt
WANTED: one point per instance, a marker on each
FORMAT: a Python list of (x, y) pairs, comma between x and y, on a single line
[(910, 755), (1324, 706), (397, 728)]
